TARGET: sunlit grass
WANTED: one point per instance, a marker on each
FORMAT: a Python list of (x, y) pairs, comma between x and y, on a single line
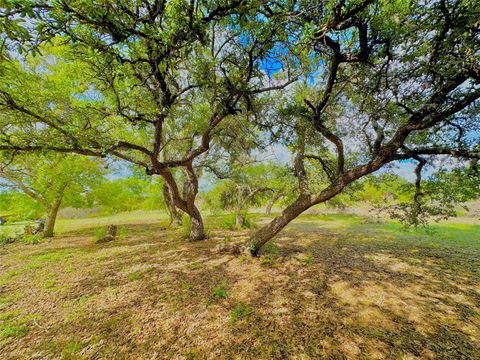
[(450, 235), (444, 234), (67, 225), (324, 274)]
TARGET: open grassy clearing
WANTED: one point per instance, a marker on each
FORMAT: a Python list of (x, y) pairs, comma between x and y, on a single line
[(331, 287), (66, 225)]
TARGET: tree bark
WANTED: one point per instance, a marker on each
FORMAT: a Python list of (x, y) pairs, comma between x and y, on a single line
[(52, 217), (305, 201), (186, 204), (175, 215), (264, 234), (197, 230), (239, 218)]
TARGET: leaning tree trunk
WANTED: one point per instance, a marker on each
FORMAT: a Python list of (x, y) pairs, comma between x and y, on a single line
[(304, 202), (175, 215), (52, 217), (264, 234), (272, 202)]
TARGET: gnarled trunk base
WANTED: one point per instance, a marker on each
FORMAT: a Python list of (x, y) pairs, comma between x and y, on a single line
[(197, 229), (187, 205)]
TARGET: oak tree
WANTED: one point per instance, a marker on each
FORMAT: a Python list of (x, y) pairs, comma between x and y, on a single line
[(149, 82)]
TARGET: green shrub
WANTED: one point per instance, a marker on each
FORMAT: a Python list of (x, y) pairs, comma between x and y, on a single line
[(187, 286), (134, 276), (270, 253), (9, 298), (11, 326), (72, 347), (268, 260), (6, 239), (50, 283), (122, 232), (8, 315), (32, 238), (228, 222), (248, 223), (11, 237), (100, 233)]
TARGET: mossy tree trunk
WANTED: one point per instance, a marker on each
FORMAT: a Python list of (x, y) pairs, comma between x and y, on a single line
[(52, 213)]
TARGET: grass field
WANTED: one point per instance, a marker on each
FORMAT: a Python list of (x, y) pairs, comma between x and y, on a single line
[(330, 286)]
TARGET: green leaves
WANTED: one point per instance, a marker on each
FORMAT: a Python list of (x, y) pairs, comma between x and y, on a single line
[(45, 177), (161, 85)]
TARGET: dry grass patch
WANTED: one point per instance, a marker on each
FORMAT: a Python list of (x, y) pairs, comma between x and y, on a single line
[(319, 292)]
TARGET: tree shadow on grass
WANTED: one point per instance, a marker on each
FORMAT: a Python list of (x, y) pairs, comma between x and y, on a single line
[(322, 294), (418, 301)]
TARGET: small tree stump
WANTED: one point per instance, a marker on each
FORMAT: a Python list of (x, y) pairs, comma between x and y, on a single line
[(111, 234)]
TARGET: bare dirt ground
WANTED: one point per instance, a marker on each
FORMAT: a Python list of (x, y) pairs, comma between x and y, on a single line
[(330, 288)]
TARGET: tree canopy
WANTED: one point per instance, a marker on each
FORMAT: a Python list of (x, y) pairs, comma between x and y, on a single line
[(50, 180), (350, 87)]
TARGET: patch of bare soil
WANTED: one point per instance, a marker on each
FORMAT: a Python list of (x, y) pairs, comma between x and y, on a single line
[(320, 294)]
